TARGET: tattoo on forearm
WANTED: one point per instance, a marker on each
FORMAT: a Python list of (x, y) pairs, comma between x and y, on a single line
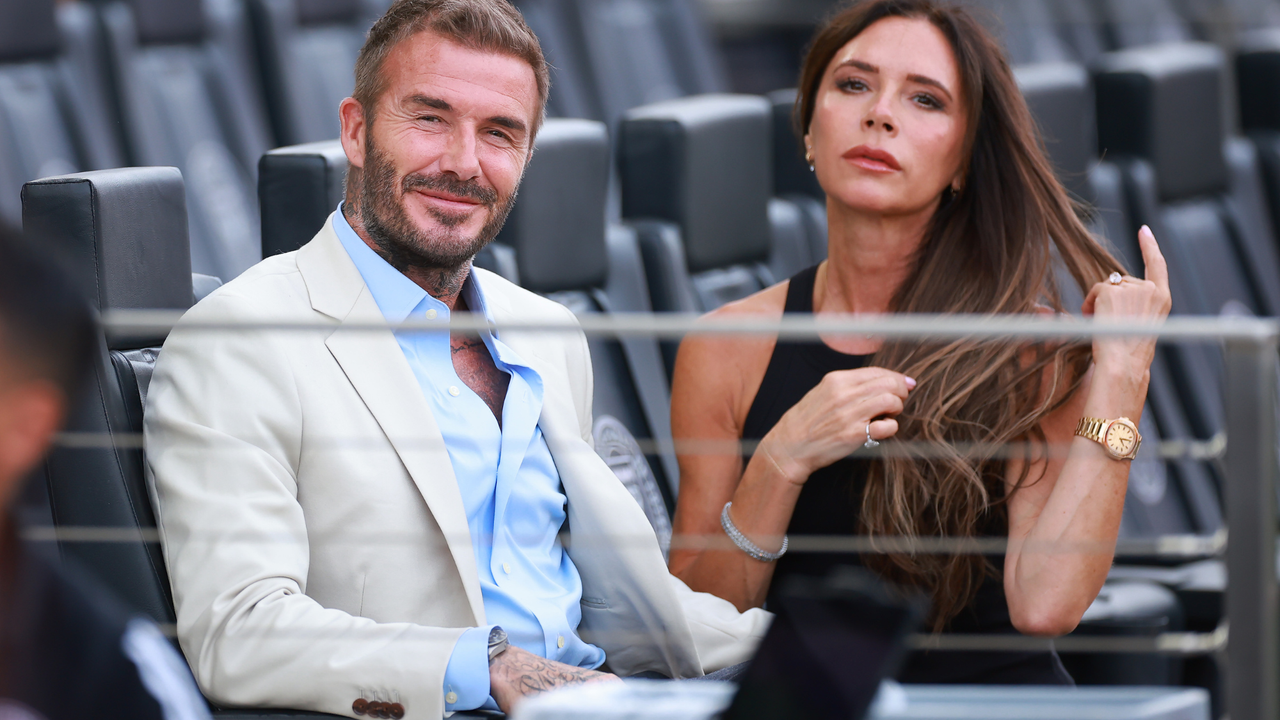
[(532, 674)]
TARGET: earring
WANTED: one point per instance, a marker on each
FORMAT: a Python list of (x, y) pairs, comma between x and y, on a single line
[(956, 187), (808, 157)]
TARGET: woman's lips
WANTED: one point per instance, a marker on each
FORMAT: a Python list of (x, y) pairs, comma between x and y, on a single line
[(873, 159)]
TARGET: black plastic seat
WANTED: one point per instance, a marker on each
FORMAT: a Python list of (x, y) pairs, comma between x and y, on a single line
[(1028, 30), (646, 51), (125, 258), (555, 22), (793, 181), (189, 97), (308, 50), (1135, 23), (55, 113)]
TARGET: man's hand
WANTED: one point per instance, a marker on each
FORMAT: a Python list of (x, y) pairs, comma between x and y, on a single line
[(517, 673)]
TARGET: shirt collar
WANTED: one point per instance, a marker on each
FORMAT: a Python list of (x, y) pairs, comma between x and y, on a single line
[(396, 295)]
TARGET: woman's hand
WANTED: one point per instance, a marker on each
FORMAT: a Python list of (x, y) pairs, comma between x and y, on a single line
[(1133, 299), (830, 421)]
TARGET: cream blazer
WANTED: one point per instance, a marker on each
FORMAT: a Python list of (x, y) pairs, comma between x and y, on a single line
[(315, 536)]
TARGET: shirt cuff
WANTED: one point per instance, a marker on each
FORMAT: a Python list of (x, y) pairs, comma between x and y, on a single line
[(466, 680)]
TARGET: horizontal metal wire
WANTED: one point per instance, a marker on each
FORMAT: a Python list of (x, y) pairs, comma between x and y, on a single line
[(1173, 643), (676, 325), (1164, 546), (1211, 449)]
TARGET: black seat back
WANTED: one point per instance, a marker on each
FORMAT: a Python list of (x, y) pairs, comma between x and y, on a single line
[(560, 215), (55, 117), (696, 180), (122, 234), (308, 50), (793, 181), (189, 97)]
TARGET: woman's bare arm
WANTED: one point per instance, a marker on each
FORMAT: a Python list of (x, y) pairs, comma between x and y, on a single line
[(1064, 521)]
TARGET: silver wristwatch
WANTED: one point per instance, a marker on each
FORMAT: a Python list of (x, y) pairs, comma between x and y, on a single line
[(497, 642)]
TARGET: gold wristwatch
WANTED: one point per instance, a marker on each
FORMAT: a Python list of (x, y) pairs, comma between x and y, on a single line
[(1118, 437)]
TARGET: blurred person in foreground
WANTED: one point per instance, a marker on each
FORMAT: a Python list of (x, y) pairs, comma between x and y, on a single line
[(67, 649), (940, 199), (369, 523)]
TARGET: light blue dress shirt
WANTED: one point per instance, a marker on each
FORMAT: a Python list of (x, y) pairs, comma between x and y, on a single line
[(510, 486)]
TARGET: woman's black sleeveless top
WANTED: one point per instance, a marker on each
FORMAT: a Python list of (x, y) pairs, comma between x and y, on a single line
[(831, 503)]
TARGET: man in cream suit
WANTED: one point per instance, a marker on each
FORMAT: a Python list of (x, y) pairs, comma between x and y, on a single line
[(369, 522)]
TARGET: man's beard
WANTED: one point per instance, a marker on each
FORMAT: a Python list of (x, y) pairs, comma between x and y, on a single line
[(403, 245)]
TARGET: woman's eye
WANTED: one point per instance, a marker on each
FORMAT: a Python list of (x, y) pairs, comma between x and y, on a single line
[(928, 101), (852, 85)]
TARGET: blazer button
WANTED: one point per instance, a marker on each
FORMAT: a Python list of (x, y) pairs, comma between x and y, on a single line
[(396, 710), (360, 706), (451, 697)]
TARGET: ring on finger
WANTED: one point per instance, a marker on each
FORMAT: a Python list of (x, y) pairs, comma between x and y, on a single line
[(1115, 278), (870, 443)]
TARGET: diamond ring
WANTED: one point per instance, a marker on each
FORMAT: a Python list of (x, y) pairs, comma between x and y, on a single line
[(1115, 278), (870, 443)]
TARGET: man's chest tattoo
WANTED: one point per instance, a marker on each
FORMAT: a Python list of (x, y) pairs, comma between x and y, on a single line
[(475, 367)]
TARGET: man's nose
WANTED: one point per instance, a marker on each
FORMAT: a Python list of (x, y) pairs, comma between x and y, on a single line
[(460, 156)]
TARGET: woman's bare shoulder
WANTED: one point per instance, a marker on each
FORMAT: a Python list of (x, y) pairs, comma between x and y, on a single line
[(717, 368)]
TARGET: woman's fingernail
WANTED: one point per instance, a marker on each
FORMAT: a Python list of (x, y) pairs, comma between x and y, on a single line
[(1145, 229), (911, 383)]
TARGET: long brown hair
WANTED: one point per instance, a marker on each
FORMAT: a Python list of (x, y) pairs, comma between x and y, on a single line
[(987, 251)]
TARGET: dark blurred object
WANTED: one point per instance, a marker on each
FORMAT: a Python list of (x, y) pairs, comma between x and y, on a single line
[(832, 641), (68, 650)]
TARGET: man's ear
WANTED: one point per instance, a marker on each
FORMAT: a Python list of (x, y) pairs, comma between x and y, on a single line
[(351, 114)]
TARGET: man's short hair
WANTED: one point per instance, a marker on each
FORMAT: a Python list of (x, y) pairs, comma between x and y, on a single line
[(46, 327), (487, 25)]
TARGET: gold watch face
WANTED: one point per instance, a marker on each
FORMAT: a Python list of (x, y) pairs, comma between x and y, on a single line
[(1121, 439)]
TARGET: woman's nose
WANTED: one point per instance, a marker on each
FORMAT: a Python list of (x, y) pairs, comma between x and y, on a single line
[(879, 116)]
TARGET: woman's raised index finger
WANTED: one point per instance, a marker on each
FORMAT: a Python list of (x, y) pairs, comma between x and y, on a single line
[(1156, 269)]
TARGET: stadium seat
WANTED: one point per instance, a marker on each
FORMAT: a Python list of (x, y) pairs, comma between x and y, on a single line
[(55, 114), (645, 51), (1028, 30), (561, 214), (188, 97), (299, 186), (555, 24), (695, 185), (792, 179), (1134, 23), (125, 259), (1257, 66), (308, 50)]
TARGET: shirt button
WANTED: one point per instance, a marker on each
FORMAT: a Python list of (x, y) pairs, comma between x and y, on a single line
[(454, 391), (431, 314), (560, 641), (506, 568), (451, 698)]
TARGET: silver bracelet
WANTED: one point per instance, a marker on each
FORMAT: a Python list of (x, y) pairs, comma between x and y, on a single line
[(744, 544)]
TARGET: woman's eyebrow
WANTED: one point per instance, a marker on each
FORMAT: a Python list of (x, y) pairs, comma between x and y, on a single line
[(922, 79)]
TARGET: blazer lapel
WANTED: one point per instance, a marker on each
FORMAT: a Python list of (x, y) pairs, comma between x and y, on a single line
[(379, 372)]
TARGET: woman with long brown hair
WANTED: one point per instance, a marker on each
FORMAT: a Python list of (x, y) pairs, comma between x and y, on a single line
[(940, 200)]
